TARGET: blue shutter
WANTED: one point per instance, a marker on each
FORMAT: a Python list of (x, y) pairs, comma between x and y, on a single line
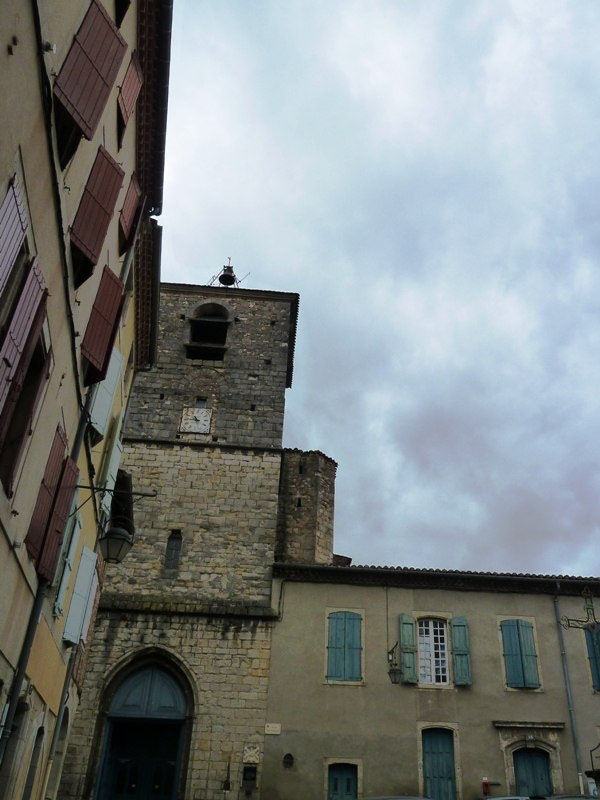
[(461, 660), (87, 617), (344, 646), (512, 653), (408, 649), (352, 671), (592, 639), (335, 647), (110, 465), (67, 557), (105, 395), (528, 655), (80, 596)]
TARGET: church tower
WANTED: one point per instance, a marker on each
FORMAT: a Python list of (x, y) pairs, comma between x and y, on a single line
[(205, 430), (178, 671)]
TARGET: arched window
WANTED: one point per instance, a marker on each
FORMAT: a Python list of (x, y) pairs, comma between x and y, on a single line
[(33, 764), (208, 333), (173, 551)]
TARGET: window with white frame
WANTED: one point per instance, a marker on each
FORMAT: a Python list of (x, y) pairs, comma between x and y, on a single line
[(433, 651)]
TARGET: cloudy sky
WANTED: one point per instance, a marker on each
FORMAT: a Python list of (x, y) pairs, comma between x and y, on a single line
[(426, 174)]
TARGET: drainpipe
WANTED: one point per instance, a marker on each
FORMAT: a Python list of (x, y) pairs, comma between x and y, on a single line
[(567, 680)]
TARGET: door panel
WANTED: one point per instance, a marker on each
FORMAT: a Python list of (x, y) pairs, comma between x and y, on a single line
[(532, 772), (142, 761), (342, 782), (438, 764)]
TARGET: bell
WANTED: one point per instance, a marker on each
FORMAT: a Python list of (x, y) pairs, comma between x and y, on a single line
[(227, 277)]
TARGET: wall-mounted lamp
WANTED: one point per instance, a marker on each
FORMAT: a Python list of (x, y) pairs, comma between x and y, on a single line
[(114, 544), (393, 667), (116, 540)]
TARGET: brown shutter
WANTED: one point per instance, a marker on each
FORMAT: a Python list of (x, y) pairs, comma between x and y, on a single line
[(88, 73), (129, 210), (43, 505), (97, 206), (19, 342), (13, 226), (102, 325), (132, 83), (65, 492)]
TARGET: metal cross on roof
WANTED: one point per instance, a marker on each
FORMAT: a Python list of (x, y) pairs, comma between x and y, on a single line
[(590, 622)]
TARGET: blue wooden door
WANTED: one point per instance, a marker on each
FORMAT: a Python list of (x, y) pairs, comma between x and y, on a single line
[(142, 761), (438, 764), (532, 772), (342, 782)]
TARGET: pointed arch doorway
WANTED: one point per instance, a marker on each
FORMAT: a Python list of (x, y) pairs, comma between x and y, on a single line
[(145, 738)]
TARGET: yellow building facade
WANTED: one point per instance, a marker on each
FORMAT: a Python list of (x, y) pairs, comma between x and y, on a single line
[(83, 91)]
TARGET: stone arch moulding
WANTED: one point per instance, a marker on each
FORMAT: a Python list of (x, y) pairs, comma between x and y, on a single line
[(540, 735), (114, 678), (137, 659)]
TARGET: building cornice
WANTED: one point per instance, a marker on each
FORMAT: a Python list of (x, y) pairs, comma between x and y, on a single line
[(455, 580), (170, 604)]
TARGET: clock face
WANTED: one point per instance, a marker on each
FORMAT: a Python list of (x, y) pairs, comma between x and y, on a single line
[(195, 420)]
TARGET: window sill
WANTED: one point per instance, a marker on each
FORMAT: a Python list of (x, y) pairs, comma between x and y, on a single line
[(530, 689), (328, 682), (435, 686)]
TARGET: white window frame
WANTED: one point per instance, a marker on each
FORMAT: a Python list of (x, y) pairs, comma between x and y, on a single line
[(431, 663)]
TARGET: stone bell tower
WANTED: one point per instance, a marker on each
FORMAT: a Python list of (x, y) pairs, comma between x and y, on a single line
[(205, 429), (178, 672)]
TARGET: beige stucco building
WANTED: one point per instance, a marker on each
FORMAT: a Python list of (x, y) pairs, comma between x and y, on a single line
[(83, 89), (423, 682)]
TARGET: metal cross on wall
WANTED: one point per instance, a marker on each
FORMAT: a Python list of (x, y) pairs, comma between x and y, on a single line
[(590, 621)]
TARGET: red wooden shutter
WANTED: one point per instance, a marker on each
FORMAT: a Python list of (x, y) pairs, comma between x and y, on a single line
[(43, 505), (88, 73), (13, 226), (130, 207), (46, 564), (102, 325), (20, 340), (97, 205), (132, 83)]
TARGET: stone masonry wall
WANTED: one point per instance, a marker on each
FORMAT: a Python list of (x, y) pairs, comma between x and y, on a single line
[(224, 502), (245, 392), (225, 663), (306, 501)]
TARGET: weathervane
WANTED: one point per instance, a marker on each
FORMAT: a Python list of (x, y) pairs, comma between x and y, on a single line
[(590, 622)]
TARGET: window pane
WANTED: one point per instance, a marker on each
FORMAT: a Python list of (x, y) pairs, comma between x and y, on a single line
[(433, 663)]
